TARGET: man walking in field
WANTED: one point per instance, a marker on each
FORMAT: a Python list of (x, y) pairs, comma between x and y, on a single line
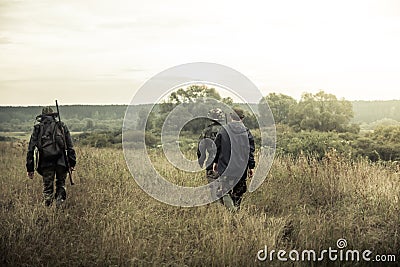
[(55, 152), (234, 159), (206, 150)]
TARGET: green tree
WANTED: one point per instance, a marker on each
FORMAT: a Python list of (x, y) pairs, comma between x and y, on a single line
[(250, 120), (227, 100), (193, 94), (280, 106), (321, 112), (205, 96)]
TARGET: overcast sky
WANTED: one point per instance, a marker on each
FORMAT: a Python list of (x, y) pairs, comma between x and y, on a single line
[(100, 52)]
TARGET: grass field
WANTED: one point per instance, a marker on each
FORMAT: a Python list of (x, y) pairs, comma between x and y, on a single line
[(17, 135), (109, 221), (24, 136)]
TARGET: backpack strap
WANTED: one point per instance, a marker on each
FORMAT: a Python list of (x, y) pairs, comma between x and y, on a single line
[(40, 136), (54, 134)]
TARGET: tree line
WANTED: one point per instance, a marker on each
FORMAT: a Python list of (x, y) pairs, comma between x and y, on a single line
[(314, 125), (320, 123), (367, 114)]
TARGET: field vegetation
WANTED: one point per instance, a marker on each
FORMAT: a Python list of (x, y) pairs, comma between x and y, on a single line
[(108, 220)]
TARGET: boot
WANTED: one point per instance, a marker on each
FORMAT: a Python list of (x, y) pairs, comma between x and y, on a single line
[(228, 202)]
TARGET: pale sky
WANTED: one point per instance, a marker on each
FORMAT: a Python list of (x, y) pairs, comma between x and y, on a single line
[(100, 52)]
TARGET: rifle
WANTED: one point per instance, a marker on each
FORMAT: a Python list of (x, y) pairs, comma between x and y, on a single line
[(65, 147)]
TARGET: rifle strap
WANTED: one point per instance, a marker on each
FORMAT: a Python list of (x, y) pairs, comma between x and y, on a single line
[(37, 159), (54, 134)]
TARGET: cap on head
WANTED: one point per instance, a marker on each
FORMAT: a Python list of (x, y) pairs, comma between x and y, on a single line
[(216, 114), (47, 111), (238, 113)]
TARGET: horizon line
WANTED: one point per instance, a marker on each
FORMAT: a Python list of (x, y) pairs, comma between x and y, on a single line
[(120, 104)]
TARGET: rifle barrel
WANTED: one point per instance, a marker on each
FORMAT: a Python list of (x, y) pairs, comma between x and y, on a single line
[(65, 146)]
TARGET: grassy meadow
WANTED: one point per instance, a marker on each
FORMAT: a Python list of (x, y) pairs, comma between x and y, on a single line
[(109, 221)]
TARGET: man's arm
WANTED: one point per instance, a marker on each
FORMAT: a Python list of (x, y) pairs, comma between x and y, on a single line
[(30, 162), (70, 147), (217, 142), (201, 151), (252, 162)]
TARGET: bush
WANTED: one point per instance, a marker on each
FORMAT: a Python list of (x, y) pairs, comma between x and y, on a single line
[(99, 139), (135, 136), (311, 143)]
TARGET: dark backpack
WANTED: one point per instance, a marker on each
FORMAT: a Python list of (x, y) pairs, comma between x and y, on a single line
[(50, 143), (211, 131)]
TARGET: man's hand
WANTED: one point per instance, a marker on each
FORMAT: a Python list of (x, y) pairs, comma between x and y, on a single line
[(201, 162), (215, 166), (71, 169), (251, 173), (30, 174)]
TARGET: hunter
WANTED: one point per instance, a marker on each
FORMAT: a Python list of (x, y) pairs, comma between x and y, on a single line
[(55, 155), (206, 150), (235, 158)]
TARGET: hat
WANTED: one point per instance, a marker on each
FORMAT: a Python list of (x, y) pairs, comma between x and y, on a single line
[(216, 114), (239, 113), (47, 111)]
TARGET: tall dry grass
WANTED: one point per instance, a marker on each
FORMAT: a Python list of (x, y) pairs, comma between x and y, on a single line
[(109, 221)]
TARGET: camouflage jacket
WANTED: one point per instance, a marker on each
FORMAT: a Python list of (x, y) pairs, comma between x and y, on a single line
[(234, 139), (34, 143), (207, 146)]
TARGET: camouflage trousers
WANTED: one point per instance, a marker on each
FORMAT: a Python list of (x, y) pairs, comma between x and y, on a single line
[(60, 174), (214, 188), (238, 190), (227, 182)]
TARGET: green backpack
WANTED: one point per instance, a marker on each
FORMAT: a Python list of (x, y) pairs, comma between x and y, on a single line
[(50, 143)]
